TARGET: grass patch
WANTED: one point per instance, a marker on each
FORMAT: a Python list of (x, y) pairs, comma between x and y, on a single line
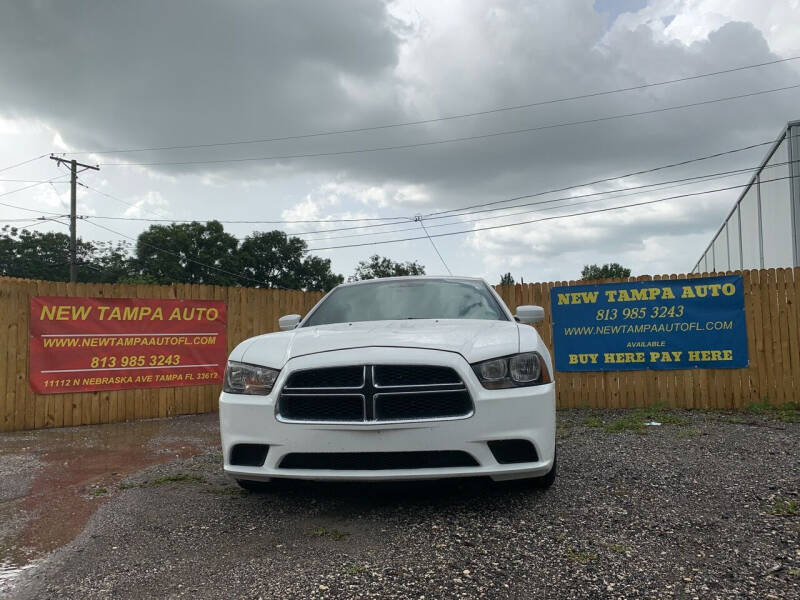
[(616, 547), (668, 418), (759, 408), (98, 491), (784, 507), (635, 420), (631, 422), (355, 569), (581, 557), (789, 412), (735, 420), (176, 478), (688, 433), (126, 485), (593, 422)]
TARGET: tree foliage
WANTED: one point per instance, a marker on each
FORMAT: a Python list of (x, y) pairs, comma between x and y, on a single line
[(188, 253), (377, 267), (507, 279), (45, 255), (607, 271), (201, 253), (280, 261)]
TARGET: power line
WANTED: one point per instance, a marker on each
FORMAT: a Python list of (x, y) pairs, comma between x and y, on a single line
[(434, 215), (450, 140), (120, 200), (606, 179), (33, 223), (27, 187), (696, 178), (588, 212), (252, 222), (23, 219), (31, 181), (677, 183), (635, 189), (164, 220), (418, 218), (24, 162), (438, 119)]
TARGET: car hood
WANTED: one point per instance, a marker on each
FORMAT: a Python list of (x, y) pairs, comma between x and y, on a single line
[(475, 340)]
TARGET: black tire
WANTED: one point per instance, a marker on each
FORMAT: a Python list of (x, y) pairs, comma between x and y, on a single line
[(545, 481), (252, 486)]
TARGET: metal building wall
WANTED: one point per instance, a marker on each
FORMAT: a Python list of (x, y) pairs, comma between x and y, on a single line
[(763, 229)]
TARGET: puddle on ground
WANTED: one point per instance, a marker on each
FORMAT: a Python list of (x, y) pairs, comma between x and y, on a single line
[(73, 472), (10, 572)]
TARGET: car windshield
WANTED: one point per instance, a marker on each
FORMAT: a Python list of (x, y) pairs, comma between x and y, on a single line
[(408, 299)]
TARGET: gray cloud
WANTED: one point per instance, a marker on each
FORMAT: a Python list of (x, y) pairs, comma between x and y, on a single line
[(144, 73), (129, 74)]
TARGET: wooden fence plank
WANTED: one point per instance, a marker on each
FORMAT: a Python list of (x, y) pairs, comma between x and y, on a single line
[(15, 409), (784, 391), (793, 299), (6, 406)]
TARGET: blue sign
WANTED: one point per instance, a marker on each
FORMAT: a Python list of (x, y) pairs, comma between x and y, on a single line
[(664, 324)]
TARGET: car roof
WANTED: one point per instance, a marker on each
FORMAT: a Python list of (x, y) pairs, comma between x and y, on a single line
[(415, 278)]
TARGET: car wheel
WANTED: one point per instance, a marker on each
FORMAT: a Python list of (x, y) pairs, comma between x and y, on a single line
[(545, 481), (253, 486)]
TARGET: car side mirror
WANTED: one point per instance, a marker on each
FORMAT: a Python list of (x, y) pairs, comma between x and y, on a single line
[(530, 314), (288, 322)]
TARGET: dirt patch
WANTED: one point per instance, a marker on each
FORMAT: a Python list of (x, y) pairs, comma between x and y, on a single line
[(58, 478)]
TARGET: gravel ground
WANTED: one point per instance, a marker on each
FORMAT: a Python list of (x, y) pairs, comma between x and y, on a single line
[(703, 508)]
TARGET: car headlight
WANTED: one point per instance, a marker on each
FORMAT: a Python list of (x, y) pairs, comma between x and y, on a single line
[(241, 378), (527, 368)]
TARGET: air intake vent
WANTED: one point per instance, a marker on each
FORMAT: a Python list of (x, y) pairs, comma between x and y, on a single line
[(513, 451), (249, 455), (378, 461)]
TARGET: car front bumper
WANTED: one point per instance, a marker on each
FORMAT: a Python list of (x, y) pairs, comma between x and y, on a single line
[(524, 413)]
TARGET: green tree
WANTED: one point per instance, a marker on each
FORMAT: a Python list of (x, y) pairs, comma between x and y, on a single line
[(40, 255), (279, 261), (608, 271), (507, 279), (188, 253), (110, 262), (377, 267), (183, 253)]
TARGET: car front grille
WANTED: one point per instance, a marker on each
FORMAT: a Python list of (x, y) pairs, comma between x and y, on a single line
[(374, 393)]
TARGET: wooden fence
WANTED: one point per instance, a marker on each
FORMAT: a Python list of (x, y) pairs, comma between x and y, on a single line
[(250, 312), (772, 312), (772, 304)]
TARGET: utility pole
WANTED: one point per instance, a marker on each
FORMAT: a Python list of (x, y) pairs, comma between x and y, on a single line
[(73, 212)]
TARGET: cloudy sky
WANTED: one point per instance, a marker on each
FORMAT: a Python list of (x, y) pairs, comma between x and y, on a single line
[(91, 77)]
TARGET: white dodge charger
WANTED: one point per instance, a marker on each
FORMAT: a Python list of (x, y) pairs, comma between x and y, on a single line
[(389, 379)]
